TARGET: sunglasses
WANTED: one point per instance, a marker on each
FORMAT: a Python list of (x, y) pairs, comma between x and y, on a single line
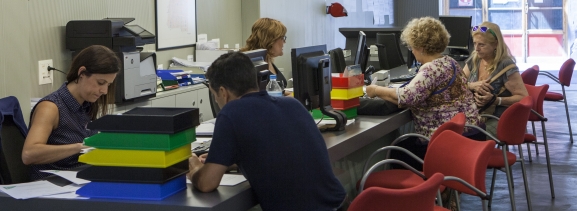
[(484, 29)]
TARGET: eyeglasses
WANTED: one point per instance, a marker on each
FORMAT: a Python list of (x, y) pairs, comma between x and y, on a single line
[(283, 38), (484, 29)]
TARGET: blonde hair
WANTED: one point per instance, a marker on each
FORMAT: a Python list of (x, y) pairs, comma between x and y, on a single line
[(426, 33), (502, 52), (265, 32)]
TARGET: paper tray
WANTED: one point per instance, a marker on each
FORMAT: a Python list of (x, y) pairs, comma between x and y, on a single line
[(133, 174), (136, 158), (148, 120), (114, 190), (141, 141)]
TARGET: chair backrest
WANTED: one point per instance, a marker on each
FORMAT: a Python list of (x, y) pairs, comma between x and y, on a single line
[(530, 75), (12, 169), (337, 60), (537, 93), (566, 72), (513, 122), (421, 197), (452, 154), (457, 124)]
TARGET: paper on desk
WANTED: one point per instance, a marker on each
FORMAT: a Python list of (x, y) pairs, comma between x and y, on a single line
[(332, 122), (70, 195), (68, 175), (229, 179), (205, 129), (33, 189)]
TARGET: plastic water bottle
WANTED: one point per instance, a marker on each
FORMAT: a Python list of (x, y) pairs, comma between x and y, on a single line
[(273, 88)]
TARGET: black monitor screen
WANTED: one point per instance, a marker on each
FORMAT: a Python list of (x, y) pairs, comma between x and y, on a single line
[(362, 45), (258, 59), (459, 27), (392, 52), (307, 81)]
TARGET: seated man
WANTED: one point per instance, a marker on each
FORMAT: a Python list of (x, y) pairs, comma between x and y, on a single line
[(273, 140)]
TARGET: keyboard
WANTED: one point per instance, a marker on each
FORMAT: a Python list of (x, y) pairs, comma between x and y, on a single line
[(201, 148), (406, 77)]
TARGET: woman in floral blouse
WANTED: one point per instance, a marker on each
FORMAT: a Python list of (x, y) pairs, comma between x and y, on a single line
[(439, 90)]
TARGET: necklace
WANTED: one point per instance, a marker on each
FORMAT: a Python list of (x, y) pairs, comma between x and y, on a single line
[(483, 75)]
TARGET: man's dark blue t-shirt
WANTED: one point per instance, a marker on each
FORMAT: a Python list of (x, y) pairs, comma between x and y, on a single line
[(277, 146)]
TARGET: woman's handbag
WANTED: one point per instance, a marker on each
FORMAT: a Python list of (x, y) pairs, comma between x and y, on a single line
[(489, 108)]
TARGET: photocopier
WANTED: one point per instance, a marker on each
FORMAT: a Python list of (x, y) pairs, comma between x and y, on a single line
[(137, 78)]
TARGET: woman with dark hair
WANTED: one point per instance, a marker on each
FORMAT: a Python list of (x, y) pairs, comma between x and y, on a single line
[(58, 122), (269, 34)]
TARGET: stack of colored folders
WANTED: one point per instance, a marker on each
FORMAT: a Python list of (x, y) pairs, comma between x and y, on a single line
[(345, 94), (141, 154)]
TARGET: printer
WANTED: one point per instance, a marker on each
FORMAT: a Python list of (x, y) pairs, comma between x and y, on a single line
[(137, 78)]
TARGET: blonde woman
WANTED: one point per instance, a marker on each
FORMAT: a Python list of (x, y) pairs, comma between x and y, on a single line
[(492, 55), (269, 34)]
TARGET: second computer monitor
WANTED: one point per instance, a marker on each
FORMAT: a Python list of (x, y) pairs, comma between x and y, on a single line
[(459, 27), (307, 83), (258, 60), (392, 52)]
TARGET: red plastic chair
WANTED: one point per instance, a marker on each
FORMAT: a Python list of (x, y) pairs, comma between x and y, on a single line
[(402, 178), (530, 75), (538, 95), (376, 198), (510, 131), (565, 74), (463, 161)]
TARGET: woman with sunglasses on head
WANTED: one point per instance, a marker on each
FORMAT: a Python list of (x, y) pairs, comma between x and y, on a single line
[(439, 90), (58, 123), (493, 77), (269, 34)]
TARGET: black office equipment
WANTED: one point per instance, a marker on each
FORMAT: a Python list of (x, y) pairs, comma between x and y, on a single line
[(258, 59), (402, 78), (392, 56), (133, 174), (337, 60), (459, 27), (312, 84), (137, 78), (148, 120)]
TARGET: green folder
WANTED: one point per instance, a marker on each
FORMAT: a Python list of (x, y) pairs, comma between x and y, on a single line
[(141, 141)]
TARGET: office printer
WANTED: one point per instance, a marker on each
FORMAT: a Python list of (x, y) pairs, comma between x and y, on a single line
[(137, 78)]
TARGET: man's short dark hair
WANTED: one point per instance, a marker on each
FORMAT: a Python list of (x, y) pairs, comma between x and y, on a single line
[(234, 71)]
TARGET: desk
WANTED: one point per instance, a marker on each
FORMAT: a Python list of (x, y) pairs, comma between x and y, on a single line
[(362, 132)]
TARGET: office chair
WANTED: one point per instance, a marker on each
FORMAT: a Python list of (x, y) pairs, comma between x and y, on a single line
[(537, 93), (510, 132), (392, 56), (12, 136), (564, 79), (377, 198), (463, 161)]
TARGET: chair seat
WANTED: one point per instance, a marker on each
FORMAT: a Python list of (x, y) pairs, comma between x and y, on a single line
[(438, 208), (393, 179), (553, 96), (530, 138), (496, 160)]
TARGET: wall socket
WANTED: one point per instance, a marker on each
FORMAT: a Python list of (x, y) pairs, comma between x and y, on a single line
[(45, 76)]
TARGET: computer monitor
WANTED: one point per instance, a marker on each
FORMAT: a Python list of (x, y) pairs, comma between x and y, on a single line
[(361, 49), (313, 83), (411, 60), (258, 59), (460, 29), (391, 55)]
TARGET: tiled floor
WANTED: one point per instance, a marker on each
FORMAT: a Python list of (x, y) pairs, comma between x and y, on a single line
[(563, 161)]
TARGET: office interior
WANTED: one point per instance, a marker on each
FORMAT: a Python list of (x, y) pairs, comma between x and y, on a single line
[(34, 30)]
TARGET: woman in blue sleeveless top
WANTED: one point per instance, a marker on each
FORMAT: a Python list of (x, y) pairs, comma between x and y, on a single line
[(58, 122)]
